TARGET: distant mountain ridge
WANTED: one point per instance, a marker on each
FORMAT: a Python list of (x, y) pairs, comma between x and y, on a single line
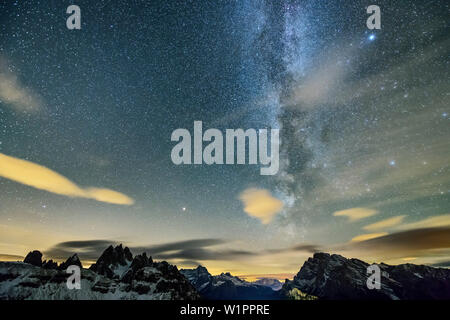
[(274, 284), (225, 286)]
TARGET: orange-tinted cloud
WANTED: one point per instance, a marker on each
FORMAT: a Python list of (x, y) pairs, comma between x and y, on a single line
[(409, 243), (40, 177), (430, 222), (368, 236), (355, 214), (386, 223), (10, 257), (260, 204)]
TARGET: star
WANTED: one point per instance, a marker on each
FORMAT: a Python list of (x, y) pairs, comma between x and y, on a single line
[(372, 37)]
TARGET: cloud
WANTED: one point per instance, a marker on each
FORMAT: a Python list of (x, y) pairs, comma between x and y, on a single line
[(431, 222), (311, 248), (180, 245), (442, 264), (195, 249), (387, 223), (204, 254), (10, 257), (260, 204), (410, 243), (15, 94), (86, 249), (189, 263), (40, 177), (321, 86), (368, 236), (278, 276), (355, 214), (188, 250)]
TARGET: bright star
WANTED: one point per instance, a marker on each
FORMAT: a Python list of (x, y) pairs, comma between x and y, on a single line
[(372, 37), (184, 208), (392, 163)]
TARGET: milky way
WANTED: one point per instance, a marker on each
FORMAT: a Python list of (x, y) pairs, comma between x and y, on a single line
[(363, 119)]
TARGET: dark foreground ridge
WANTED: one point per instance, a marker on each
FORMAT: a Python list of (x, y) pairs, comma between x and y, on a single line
[(333, 277)]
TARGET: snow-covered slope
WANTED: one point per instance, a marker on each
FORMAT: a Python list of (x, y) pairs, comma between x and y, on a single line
[(138, 279)]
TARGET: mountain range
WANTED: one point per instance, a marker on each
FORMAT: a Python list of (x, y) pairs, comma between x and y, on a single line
[(226, 286), (117, 274)]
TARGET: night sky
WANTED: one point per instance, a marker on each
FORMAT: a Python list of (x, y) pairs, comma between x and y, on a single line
[(363, 118)]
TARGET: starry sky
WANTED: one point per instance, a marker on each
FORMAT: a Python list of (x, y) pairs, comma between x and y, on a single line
[(86, 118)]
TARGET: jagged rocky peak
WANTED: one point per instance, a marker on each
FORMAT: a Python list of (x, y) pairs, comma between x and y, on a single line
[(73, 260), (116, 255), (197, 276), (34, 258), (140, 261), (113, 261), (117, 276), (49, 264), (201, 269), (332, 276)]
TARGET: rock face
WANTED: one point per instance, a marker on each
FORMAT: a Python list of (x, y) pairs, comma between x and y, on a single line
[(50, 264), (119, 277), (34, 258), (198, 277), (334, 277), (113, 262), (73, 260), (225, 286)]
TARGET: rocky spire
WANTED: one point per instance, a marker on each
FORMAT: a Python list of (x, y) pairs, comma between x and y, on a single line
[(112, 258), (34, 258), (73, 260)]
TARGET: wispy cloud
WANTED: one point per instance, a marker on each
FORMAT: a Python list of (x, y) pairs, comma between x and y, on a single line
[(324, 84), (188, 250), (40, 177), (86, 249), (355, 214), (410, 243), (386, 223), (260, 204), (180, 245), (368, 236), (10, 257), (431, 222), (15, 94)]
